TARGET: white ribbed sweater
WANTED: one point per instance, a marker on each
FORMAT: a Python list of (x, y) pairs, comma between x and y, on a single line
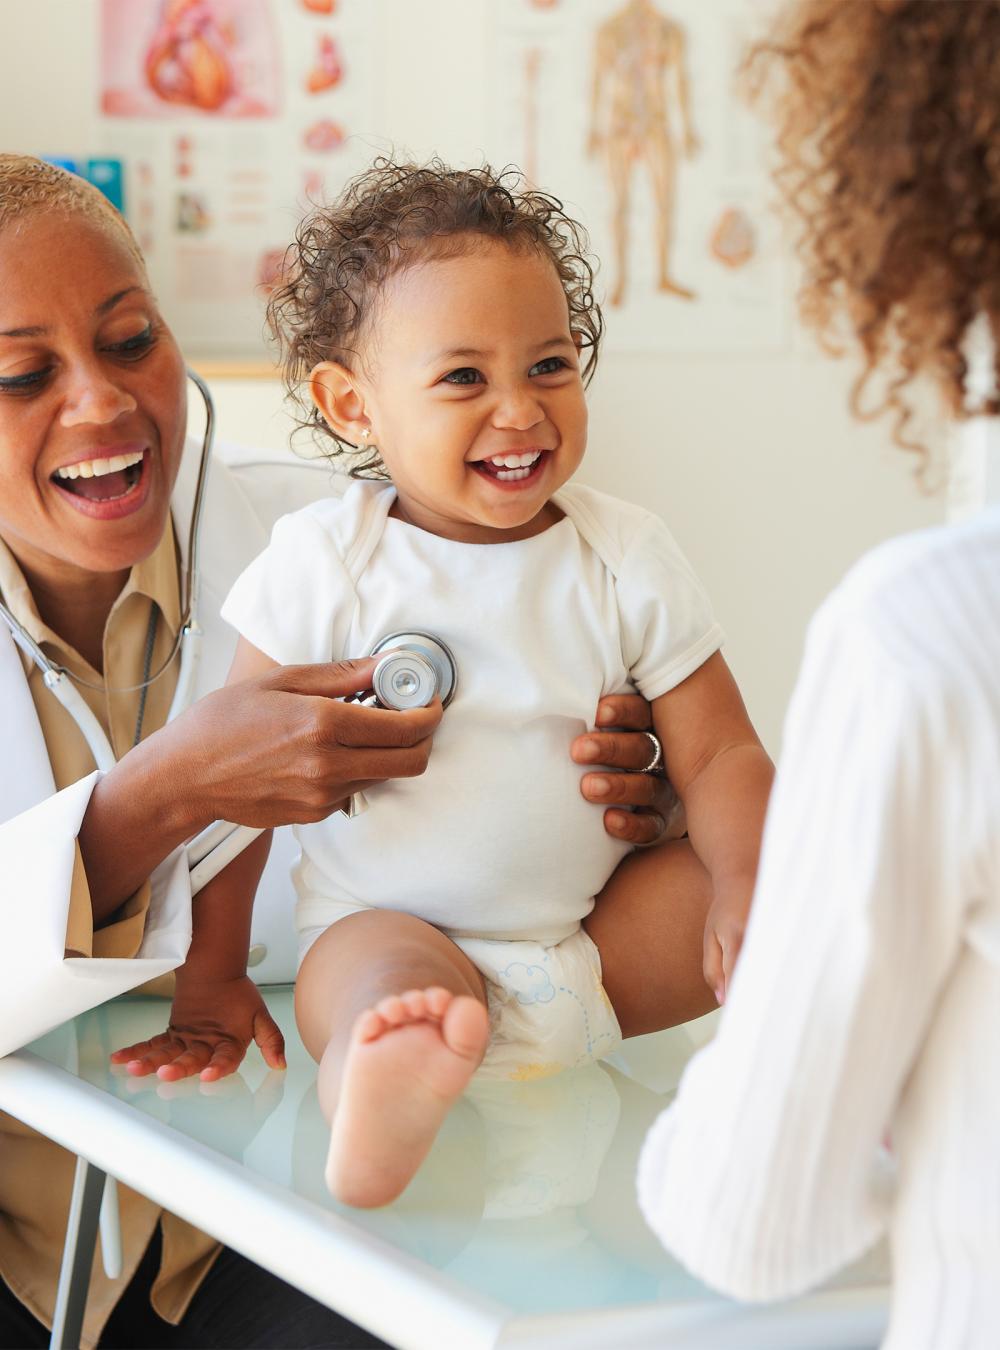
[(868, 993)]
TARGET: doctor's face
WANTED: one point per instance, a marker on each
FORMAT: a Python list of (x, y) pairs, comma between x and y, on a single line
[(92, 400)]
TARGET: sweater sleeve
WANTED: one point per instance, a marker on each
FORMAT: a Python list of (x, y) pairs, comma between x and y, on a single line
[(761, 1177)]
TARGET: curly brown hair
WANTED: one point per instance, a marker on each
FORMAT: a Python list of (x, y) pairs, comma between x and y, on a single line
[(387, 218), (888, 119)]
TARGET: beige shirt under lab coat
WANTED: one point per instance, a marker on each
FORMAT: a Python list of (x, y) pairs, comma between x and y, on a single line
[(246, 492), (36, 1175)]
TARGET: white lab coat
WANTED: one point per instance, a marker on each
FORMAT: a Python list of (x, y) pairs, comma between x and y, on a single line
[(39, 986)]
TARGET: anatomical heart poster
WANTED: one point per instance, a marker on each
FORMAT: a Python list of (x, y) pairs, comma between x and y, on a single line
[(217, 57), (231, 117)]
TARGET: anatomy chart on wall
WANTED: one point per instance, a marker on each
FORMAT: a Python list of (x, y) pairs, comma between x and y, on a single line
[(230, 117), (627, 110)]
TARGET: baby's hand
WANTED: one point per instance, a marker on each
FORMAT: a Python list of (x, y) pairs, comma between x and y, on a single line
[(724, 929), (211, 1025)]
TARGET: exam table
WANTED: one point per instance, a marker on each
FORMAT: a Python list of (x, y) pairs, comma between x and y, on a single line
[(520, 1230)]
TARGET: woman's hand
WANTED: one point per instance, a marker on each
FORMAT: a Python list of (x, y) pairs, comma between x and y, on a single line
[(211, 1025), (282, 748), (277, 749), (658, 814)]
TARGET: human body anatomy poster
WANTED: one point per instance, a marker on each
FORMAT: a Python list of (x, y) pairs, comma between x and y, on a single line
[(627, 110), (230, 116)]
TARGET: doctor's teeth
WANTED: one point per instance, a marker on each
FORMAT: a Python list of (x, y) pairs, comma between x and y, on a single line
[(515, 461), (97, 468)]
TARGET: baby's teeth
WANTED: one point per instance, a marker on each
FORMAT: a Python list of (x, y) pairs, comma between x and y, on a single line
[(515, 461)]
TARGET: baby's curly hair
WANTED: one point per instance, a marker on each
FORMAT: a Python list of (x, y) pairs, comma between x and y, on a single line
[(386, 218), (888, 118)]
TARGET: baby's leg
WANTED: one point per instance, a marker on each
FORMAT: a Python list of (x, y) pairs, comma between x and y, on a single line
[(648, 925), (396, 1016)]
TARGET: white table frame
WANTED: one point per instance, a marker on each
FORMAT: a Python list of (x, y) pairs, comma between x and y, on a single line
[(348, 1269)]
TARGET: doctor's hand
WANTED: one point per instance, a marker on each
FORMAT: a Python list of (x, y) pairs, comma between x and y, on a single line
[(658, 814), (282, 748), (212, 1022)]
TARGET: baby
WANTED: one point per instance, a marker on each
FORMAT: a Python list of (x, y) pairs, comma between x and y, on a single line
[(447, 318)]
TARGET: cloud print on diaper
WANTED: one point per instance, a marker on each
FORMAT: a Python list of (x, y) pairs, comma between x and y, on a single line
[(531, 984)]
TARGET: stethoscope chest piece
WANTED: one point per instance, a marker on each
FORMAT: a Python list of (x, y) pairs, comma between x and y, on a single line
[(415, 668)]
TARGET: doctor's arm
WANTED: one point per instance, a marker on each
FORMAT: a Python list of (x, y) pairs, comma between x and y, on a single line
[(274, 748)]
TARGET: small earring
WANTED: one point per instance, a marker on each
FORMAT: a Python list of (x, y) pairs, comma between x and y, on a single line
[(365, 433)]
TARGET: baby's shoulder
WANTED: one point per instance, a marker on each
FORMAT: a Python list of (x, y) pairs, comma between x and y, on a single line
[(615, 529), (347, 524)]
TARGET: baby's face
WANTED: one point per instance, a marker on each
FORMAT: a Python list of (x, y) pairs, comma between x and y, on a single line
[(474, 393)]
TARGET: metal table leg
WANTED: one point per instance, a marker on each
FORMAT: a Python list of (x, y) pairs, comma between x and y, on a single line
[(78, 1256)]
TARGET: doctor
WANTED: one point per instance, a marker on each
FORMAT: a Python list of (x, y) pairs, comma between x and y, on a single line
[(95, 496)]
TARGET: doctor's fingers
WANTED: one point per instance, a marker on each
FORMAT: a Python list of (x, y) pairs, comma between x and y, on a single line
[(330, 679), (615, 749), (631, 712), (146, 1057), (354, 725)]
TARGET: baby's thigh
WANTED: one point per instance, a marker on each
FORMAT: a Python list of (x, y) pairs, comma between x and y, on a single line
[(366, 956)]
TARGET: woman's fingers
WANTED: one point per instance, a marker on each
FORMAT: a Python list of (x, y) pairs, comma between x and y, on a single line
[(615, 749), (186, 1064), (269, 1038), (623, 789), (629, 711), (634, 827)]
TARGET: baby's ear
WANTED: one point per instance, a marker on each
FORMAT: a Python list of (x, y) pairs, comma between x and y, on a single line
[(335, 392)]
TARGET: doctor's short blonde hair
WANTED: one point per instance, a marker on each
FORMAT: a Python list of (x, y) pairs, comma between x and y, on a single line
[(388, 217), (29, 185)]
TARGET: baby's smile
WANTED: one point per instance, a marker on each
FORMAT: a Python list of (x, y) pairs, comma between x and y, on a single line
[(512, 468)]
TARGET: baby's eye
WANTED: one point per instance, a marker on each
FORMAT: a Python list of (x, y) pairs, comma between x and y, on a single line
[(464, 375), (551, 365)]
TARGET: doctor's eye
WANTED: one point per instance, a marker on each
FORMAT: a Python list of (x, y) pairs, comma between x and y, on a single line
[(550, 365), (24, 384), (134, 346), (464, 375)]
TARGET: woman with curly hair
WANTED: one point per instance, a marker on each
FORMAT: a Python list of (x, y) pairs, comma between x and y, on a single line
[(877, 908)]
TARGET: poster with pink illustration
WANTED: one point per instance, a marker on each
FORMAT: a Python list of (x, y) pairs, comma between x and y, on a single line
[(214, 58)]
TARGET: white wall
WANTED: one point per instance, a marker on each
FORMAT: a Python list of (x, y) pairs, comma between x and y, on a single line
[(754, 462)]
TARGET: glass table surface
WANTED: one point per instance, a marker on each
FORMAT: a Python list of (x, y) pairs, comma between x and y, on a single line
[(527, 1196)]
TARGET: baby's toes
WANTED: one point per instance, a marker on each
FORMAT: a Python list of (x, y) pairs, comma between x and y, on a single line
[(369, 1025), (420, 1006), (437, 1000), (393, 1010)]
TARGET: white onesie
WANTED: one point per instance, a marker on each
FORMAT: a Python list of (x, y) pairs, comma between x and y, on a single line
[(494, 844)]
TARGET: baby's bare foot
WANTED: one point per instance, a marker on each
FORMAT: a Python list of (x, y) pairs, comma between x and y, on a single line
[(409, 1058)]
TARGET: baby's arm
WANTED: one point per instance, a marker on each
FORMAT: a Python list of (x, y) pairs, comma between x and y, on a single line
[(723, 775)]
